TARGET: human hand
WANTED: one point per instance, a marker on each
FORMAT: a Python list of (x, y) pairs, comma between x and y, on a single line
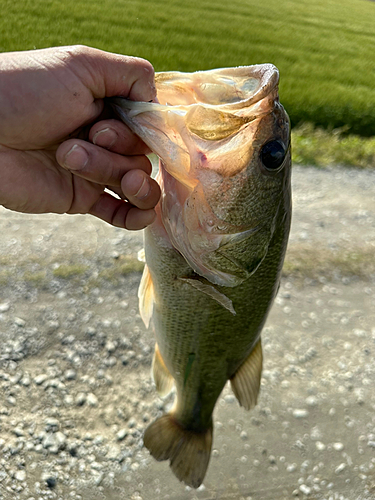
[(59, 146)]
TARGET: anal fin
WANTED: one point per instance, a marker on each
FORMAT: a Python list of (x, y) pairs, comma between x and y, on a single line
[(162, 378), (188, 451), (146, 296), (246, 381)]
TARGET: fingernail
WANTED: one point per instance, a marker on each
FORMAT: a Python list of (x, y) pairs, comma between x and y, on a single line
[(76, 158), (144, 190), (105, 138)]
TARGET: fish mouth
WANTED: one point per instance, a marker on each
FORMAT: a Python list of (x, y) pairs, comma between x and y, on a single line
[(198, 111)]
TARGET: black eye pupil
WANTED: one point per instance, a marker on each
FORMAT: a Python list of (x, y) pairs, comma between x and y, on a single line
[(272, 155)]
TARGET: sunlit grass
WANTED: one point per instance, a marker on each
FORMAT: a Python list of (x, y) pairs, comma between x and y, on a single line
[(316, 146), (68, 271), (323, 48), (122, 266)]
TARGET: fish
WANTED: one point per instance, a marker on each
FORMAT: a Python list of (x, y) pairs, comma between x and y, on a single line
[(215, 252)]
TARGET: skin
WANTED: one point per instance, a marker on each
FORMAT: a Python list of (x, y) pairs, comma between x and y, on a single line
[(60, 146)]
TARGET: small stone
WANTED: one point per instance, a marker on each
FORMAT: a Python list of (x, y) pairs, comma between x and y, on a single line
[(92, 399), (312, 401), (244, 435), (81, 399), (132, 423), (306, 490), (19, 432), (229, 398), (298, 413), (20, 475), (26, 380), (110, 346), (39, 379), (340, 468), (69, 339), (121, 435), (338, 446), (52, 326), (49, 441), (291, 468), (68, 400), (51, 424), (113, 452), (98, 478), (316, 434), (50, 481), (12, 400), (70, 374), (60, 439), (16, 378), (19, 322), (91, 331), (4, 307), (320, 446)]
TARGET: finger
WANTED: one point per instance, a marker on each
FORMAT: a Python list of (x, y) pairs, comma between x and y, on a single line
[(117, 137), (121, 213), (107, 74), (140, 189), (97, 164)]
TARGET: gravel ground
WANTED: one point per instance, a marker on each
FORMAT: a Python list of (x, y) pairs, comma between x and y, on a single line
[(76, 393)]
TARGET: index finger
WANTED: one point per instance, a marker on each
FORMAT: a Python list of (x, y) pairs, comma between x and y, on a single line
[(98, 165), (115, 74)]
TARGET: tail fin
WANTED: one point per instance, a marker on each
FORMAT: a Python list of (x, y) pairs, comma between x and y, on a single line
[(188, 451)]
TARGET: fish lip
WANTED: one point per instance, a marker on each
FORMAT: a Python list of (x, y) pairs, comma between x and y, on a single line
[(267, 74)]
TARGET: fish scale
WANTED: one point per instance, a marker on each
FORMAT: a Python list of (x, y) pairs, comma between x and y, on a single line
[(215, 252)]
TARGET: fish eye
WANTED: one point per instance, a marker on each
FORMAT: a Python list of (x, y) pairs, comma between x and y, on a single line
[(272, 155)]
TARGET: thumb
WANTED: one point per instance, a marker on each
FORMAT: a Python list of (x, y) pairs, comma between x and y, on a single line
[(108, 75)]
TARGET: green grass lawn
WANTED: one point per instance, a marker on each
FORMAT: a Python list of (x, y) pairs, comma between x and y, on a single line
[(325, 49)]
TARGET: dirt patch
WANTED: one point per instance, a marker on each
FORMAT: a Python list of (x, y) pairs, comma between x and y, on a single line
[(76, 394)]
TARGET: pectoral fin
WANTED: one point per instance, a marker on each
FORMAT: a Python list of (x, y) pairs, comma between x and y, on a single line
[(203, 286), (162, 378), (246, 381), (146, 296)]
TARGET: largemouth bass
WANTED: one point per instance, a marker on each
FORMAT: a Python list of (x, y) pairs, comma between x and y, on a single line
[(215, 252)]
